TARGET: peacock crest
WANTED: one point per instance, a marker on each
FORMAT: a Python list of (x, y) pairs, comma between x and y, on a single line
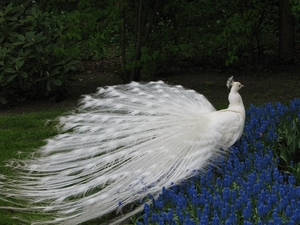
[(230, 81)]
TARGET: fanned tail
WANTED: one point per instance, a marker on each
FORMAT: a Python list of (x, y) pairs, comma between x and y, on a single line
[(122, 144)]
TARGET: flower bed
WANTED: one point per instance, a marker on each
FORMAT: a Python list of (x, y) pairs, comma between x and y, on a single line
[(247, 187)]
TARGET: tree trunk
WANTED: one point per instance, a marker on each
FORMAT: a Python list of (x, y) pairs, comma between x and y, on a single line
[(135, 73), (123, 47), (143, 27), (286, 36)]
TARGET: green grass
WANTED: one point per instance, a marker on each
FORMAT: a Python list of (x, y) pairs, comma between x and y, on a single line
[(22, 133)]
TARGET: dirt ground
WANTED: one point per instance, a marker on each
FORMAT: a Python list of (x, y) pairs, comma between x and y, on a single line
[(281, 83)]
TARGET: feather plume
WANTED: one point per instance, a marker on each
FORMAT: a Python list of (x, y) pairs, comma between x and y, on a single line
[(230, 81)]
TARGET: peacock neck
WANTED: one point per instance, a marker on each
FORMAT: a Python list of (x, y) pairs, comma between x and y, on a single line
[(235, 101)]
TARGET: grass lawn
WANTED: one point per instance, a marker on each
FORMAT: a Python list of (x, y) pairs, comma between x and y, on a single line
[(20, 134)]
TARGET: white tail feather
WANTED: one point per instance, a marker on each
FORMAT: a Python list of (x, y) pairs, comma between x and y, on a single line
[(122, 143)]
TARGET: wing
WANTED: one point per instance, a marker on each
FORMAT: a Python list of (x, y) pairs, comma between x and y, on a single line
[(230, 125)]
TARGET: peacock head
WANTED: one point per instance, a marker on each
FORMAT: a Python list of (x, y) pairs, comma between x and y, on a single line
[(235, 86)]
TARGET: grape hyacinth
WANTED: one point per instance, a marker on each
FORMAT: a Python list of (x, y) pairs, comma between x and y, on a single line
[(245, 188)]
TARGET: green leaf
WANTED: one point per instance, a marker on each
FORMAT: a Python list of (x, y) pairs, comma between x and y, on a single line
[(21, 52), (39, 36), (57, 82), (9, 79), (21, 37), (39, 48), (2, 38), (16, 43), (71, 67), (19, 64), (24, 74), (13, 34), (3, 100), (8, 8), (28, 44), (9, 70), (66, 67), (55, 71), (226, 62), (49, 86), (283, 155)]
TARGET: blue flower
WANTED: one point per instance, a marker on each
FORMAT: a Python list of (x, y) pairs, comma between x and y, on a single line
[(247, 186)]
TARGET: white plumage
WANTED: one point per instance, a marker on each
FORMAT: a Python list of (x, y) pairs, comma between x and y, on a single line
[(121, 144)]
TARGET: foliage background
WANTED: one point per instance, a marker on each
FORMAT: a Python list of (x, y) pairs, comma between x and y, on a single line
[(44, 42)]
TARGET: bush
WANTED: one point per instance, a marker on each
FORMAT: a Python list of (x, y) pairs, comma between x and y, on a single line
[(34, 53)]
